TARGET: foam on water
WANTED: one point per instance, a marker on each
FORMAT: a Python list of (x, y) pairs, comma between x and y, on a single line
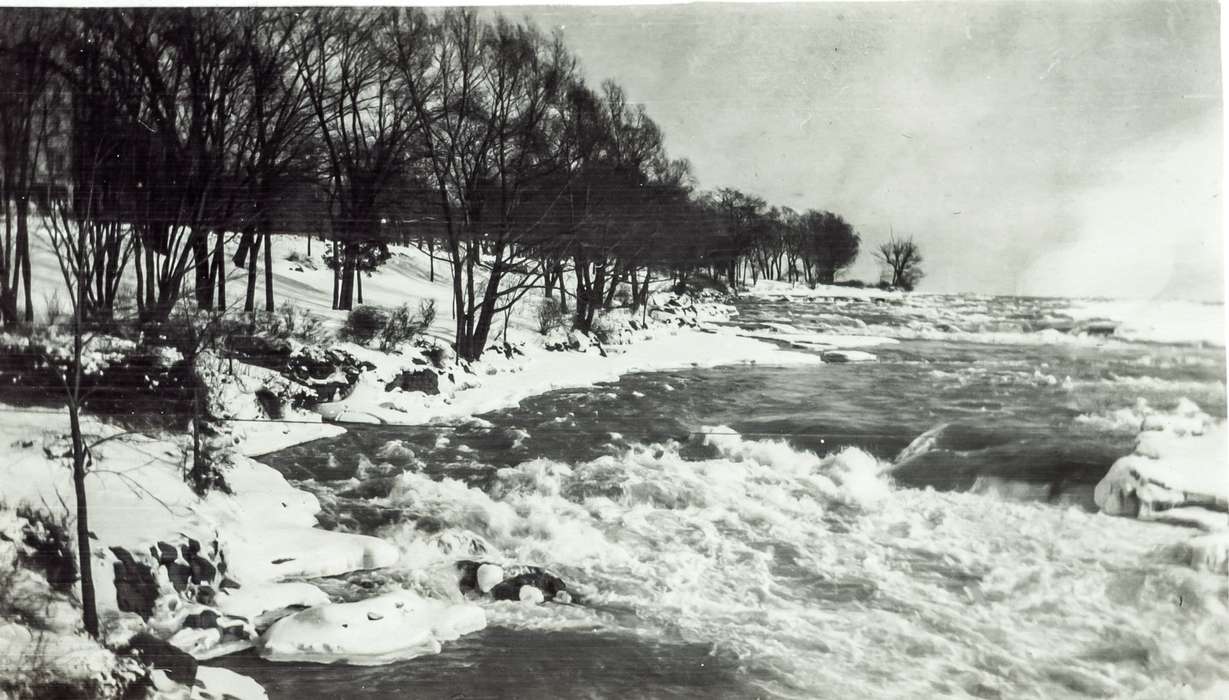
[(818, 577)]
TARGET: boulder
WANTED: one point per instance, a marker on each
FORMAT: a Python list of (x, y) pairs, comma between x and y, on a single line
[(178, 665), (136, 588), (423, 380), (506, 583)]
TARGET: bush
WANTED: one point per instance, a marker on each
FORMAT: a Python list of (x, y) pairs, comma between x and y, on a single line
[(363, 324), (48, 548), (403, 326), (290, 322), (301, 259), (367, 324), (551, 316)]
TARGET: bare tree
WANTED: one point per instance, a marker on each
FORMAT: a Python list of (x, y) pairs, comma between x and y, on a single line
[(486, 97), (276, 147), (73, 236), (363, 124), (903, 259), (26, 73)]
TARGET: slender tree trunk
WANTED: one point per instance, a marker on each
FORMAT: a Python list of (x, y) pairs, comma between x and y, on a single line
[(219, 261), (252, 251), (201, 266), (336, 272), (268, 244), (23, 253), (89, 610)]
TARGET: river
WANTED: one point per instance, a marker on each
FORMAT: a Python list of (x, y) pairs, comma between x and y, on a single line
[(747, 531)]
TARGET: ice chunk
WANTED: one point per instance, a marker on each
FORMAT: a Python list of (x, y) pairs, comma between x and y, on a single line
[(1179, 460)]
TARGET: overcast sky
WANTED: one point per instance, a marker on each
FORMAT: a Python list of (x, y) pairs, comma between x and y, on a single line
[(1031, 148)]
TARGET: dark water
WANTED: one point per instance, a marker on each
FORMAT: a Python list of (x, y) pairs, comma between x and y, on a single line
[(706, 575)]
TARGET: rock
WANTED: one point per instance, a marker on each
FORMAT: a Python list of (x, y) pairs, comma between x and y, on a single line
[(178, 665), (164, 553), (423, 380), (202, 571), (206, 619), (136, 589)]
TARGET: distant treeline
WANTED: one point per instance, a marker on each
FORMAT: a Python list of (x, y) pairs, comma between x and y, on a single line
[(147, 138)]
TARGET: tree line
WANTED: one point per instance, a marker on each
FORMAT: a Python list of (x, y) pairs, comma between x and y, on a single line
[(167, 146)]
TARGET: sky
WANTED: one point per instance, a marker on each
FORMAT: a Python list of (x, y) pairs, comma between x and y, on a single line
[(1030, 148)]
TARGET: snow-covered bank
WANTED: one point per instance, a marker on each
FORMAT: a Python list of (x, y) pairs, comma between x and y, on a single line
[(1178, 472), (203, 573), (498, 381)]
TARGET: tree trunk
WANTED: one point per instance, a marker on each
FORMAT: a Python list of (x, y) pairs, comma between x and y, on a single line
[(345, 299), (23, 253), (219, 262), (268, 236), (89, 610), (252, 250), (200, 260), (336, 272)]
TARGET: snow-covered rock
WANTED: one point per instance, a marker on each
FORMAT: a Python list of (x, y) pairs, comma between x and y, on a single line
[(275, 553), (390, 627), (1179, 461)]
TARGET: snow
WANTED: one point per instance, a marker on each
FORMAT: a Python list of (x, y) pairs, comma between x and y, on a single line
[(391, 627), (254, 600), (68, 657), (274, 552)]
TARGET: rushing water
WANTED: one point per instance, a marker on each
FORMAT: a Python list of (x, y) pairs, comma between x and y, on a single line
[(741, 532)]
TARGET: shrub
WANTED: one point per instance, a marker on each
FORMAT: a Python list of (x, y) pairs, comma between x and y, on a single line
[(48, 548), (403, 325), (289, 322), (53, 309), (606, 329), (363, 324), (551, 316), (302, 259)]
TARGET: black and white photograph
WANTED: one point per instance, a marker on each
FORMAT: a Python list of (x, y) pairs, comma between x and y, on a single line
[(596, 350)]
